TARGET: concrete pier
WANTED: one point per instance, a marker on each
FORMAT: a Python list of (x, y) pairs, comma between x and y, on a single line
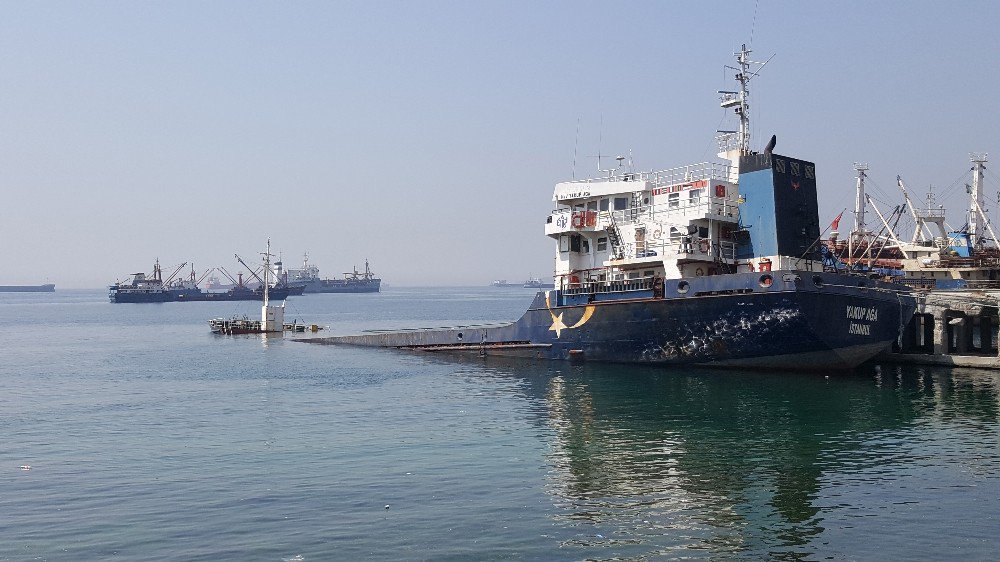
[(955, 327)]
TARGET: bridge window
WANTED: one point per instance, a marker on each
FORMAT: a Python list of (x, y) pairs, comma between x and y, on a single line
[(604, 204), (592, 205), (602, 244), (621, 203), (674, 200)]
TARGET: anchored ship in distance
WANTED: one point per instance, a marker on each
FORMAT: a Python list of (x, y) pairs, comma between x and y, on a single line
[(149, 288), (714, 264), (356, 282), (46, 288)]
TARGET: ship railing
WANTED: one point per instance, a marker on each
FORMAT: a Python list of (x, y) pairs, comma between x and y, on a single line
[(987, 262), (930, 214), (671, 176), (574, 284), (681, 246), (679, 210)]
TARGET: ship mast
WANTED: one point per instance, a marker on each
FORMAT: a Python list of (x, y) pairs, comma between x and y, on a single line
[(859, 201), (977, 226), (743, 109), (860, 231), (739, 101), (267, 268)]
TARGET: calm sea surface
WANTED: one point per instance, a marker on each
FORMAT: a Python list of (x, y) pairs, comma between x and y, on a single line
[(149, 438)]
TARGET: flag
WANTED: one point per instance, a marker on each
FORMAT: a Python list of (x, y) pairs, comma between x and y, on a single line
[(835, 225)]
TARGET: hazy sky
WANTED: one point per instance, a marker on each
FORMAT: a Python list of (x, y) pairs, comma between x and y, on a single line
[(427, 136)]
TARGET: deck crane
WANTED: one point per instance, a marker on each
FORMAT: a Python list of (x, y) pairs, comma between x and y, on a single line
[(203, 275), (238, 281), (252, 272), (174, 274)]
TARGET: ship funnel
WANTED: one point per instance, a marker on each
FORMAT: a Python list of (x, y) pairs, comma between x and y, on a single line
[(770, 145)]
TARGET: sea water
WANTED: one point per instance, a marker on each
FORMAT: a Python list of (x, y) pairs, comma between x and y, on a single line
[(130, 432)]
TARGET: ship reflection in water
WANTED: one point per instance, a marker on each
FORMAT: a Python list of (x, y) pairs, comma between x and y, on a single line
[(696, 463)]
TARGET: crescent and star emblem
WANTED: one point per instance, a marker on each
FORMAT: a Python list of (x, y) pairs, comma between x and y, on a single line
[(558, 325)]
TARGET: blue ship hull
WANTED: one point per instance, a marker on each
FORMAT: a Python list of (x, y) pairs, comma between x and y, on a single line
[(799, 320), (117, 295), (340, 285)]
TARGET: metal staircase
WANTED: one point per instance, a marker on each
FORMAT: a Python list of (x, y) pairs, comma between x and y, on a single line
[(614, 237)]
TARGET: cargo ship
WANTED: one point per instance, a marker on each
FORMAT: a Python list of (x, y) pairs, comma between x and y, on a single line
[(149, 288), (308, 278), (713, 264), (46, 288)]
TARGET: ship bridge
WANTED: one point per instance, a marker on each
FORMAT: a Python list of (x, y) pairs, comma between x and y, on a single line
[(680, 216)]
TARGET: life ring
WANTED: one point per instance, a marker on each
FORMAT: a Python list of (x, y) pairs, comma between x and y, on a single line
[(656, 234), (703, 246)]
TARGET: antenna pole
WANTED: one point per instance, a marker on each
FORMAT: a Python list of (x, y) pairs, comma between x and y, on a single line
[(576, 147)]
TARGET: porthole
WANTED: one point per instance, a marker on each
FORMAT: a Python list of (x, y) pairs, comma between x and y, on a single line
[(683, 287), (766, 281), (817, 280), (460, 335)]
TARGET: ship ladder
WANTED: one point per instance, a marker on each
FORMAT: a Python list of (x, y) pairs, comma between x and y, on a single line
[(614, 236)]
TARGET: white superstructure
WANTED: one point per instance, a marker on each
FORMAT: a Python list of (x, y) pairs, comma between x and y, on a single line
[(675, 223)]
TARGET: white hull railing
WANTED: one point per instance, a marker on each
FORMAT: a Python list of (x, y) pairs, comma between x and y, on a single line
[(673, 176), (675, 211)]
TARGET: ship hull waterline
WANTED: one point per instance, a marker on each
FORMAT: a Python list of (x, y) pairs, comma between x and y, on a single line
[(802, 321)]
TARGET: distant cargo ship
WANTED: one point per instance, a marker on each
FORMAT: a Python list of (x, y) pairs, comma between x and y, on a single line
[(143, 288), (308, 278), (46, 288), (531, 283), (536, 283)]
